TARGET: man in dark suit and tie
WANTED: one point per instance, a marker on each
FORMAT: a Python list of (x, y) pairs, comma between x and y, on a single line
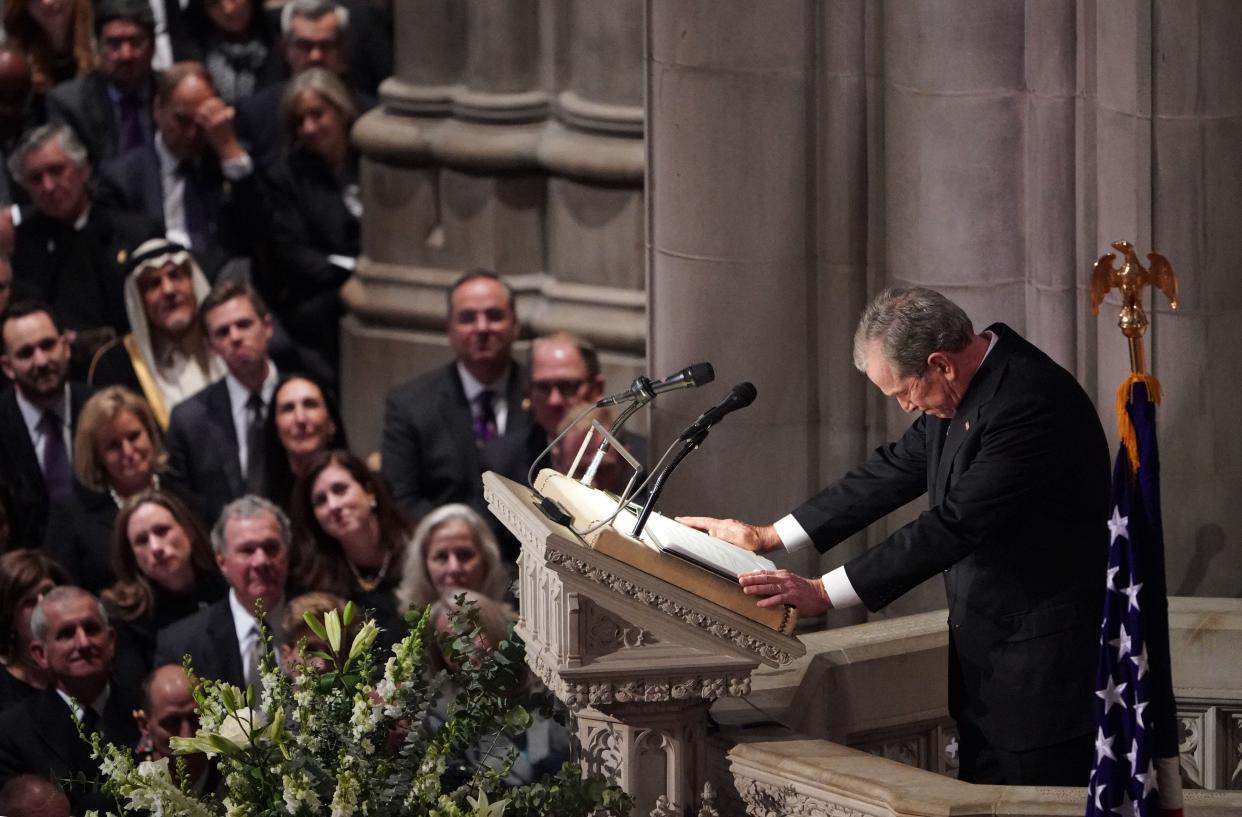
[(109, 109), (1013, 458), (251, 542), (442, 430), (37, 416), (75, 644), (215, 438), (194, 179)]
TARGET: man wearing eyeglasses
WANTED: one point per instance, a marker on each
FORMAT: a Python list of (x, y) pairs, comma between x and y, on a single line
[(564, 377)]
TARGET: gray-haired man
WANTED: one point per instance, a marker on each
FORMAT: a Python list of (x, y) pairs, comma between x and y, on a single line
[(251, 541)]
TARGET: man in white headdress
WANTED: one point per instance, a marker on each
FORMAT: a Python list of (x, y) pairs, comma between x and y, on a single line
[(165, 357)]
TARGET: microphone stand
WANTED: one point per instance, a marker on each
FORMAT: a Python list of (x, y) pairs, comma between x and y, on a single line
[(658, 485), (642, 385)]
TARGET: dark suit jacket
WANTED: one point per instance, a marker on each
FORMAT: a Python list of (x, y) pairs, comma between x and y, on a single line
[(79, 532), (233, 210), (429, 452), (202, 451), (19, 465), (79, 273), (41, 738), (83, 104), (1018, 482), (209, 637)]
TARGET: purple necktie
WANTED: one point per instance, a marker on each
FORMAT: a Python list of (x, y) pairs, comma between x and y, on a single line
[(56, 473), (485, 417), (130, 132)]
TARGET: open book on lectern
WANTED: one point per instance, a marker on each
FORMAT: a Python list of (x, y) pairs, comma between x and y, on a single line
[(667, 549)]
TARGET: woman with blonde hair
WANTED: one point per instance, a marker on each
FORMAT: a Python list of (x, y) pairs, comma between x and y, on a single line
[(55, 36), (118, 451), (452, 548)]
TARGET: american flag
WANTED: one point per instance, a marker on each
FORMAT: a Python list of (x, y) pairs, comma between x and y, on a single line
[(1134, 773)]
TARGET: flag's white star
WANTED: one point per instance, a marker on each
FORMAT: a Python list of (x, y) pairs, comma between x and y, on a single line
[(1147, 779), (1128, 807), (1122, 642), (1117, 525), (1138, 713), (1111, 694), (1140, 661), (1112, 571), (1096, 791), (1103, 747), (1132, 755), (1132, 591)]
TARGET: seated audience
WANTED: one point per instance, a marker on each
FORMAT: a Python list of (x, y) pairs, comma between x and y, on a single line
[(215, 438), (539, 750), (195, 180), (56, 36), (452, 549), (165, 571), (316, 211), (33, 795), (236, 41), (8, 520), (352, 536), (117, 452), (314, 33), (303, 423), (251, 542), (68, 251), (165, 357), (74, 645), (168, 711), (294, 631), (26, 576), (109, 108), (6, 283), (38, 416)]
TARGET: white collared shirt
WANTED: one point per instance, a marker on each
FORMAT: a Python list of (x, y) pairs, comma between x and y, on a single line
[(172, 184), (239, 395), (793, 536), (33, 417), (78, 711), (500, 406)]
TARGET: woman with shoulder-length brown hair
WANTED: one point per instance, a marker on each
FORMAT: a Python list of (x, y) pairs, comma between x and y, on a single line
[(165, 571), (25, 576), (118, 451), (55, 35), (351, 535)]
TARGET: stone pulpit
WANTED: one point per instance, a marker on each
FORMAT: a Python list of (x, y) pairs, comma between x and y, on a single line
[(637, 655)]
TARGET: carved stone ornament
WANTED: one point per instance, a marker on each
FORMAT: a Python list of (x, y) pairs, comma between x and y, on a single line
[(664, 808), (1191, 748), (768, 800), (707, 806), (601, 752), (576, 695), (714, 627)]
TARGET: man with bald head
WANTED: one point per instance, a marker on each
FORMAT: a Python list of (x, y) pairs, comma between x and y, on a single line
[(74, 643), (168, 712), (32, 795)]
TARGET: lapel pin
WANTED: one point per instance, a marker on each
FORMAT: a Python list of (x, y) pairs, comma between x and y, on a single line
[(968, 425)]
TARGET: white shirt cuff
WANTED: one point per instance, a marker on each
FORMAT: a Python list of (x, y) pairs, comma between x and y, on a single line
[(840, 591), (792, 535), (237, 169)]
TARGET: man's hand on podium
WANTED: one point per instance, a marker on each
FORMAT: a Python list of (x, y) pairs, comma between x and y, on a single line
[(755, 538), (783, 587)]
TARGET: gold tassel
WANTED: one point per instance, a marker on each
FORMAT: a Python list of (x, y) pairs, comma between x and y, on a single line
[(1124, 426)]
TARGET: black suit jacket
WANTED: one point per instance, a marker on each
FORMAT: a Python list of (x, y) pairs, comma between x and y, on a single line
[(429, 452), (202, 451), (79, 533), (83, 104), (209, 637), (132, 183), (19, 465), (41, 738), (79, 273), (1018, 483)]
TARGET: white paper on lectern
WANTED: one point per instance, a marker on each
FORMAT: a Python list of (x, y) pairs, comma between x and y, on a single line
[(664, 534)]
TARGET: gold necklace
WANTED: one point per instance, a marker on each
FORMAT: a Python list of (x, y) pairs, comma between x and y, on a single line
[(368, 585)]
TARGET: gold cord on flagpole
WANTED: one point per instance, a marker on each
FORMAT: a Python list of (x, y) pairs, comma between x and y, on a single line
[(1130, 281)]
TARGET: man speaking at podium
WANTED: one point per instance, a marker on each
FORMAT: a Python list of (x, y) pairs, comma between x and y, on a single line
[(1013, 458)]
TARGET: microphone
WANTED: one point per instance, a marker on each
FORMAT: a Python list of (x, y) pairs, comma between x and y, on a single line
[(645, 390), (742, 395)]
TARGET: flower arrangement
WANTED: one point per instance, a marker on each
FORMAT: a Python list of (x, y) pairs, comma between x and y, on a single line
[(354, 739)]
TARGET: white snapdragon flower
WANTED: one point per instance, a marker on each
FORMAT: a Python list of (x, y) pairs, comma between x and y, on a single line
[(345, 798), (299, 793)]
